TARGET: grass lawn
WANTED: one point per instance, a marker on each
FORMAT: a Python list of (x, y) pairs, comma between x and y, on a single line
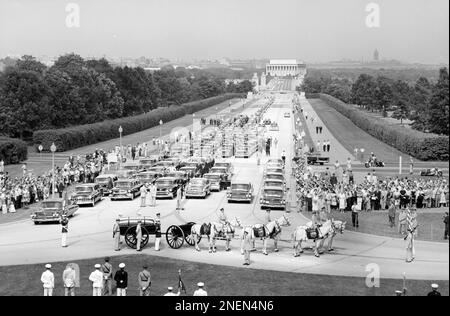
[(350, 135), (431, 226), (219, 280)]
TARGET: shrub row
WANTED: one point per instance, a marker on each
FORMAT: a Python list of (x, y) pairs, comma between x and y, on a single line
[(12, 150), (82, 135), (423, 146)]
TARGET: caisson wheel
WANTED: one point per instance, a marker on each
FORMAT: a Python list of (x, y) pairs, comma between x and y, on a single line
[(175, 237)]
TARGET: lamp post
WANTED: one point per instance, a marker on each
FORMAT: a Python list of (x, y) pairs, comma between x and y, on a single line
[(160, 136), (53, 149), (121, 148), (362, 154)]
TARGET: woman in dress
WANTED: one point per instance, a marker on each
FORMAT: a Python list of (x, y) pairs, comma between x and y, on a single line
[(342, 198)]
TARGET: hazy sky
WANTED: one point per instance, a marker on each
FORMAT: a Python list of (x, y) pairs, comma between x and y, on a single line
[(310, 30)]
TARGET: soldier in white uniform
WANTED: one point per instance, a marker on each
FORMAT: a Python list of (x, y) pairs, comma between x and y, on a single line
[(96, 278), (48, 280), (138, 235), (171, 293), (143, 195), (116, 235), (200, 291), (153, 194)]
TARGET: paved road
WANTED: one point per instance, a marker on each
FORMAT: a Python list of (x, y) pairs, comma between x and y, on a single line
[(90, 231)]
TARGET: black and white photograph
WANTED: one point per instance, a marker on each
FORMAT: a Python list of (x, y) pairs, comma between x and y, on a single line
[(244, 150)]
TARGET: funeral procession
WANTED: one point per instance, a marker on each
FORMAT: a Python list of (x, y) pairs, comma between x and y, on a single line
[(127, 174)]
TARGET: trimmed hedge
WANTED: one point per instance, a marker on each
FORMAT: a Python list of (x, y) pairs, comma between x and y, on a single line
[(12, 150), (420, 145), (82, 135)]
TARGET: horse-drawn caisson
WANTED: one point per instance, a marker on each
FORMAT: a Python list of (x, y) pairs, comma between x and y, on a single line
[(176, 235)]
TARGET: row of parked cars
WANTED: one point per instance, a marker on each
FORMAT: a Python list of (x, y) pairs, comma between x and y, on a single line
[(197, 176)]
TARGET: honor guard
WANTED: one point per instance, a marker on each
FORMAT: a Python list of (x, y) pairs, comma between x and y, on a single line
[(121, 278), (158, 231), (107, 270), (64, 230), (200, 291), (48, 280), (69, 281), (267, 217), (434, 290), (145, 282), (96, 278), (171, 293), (138, 235), (116, 235)]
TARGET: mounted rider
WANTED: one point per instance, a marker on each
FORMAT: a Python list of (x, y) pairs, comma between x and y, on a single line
[(223, 219)]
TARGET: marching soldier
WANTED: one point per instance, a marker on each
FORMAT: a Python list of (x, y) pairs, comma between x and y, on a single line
[(200, 291), (139, 235), (64, 230), (171, 293), (107, 270), (48, 280), (116, 235), (69, 281), (96, 277), (121, 278), (158, 231), (145, 282)]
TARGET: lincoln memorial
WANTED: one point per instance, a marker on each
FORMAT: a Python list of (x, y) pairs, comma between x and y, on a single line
[(285, 67)]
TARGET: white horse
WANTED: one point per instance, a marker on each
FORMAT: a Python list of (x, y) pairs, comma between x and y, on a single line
[(214, 230), (327, 230), (271, 230)]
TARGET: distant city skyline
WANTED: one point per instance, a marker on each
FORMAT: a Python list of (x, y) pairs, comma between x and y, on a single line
[(411, 31)]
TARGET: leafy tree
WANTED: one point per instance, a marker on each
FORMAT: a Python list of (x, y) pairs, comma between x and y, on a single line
[(439, 105), (402, 100)]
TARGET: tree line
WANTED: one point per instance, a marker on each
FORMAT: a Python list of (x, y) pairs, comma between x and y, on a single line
[(75, 91), (425, 102)]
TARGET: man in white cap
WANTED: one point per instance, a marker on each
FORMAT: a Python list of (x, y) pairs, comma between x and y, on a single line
[(171, 293), (48, 280), (116, 235), (200, 291), (64, 230), (96, 278), (121, 278), (434, 290)]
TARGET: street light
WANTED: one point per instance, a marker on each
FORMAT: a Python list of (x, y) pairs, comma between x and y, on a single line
[(160, 135), (121, 148), (53, 149)]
